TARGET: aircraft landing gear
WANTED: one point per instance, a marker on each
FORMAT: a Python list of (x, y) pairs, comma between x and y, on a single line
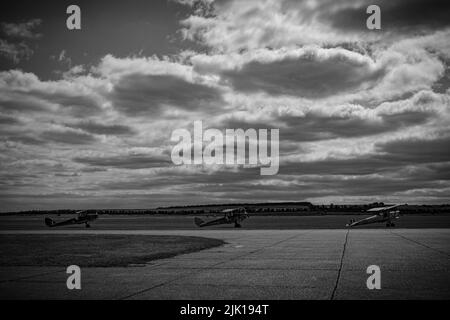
[(88, 225), (390, 224), (237, 225)]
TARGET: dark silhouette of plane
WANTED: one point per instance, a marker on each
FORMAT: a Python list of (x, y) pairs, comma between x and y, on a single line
[(83, 217), (235, 216), (383, 214)]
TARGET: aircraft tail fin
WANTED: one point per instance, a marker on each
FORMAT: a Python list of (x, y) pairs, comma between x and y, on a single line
[(350, 223), (49, 222), (198, 222)]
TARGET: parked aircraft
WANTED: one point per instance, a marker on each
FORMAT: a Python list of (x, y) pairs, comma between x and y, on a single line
[(83, 217), (382, 214), (235, 216)]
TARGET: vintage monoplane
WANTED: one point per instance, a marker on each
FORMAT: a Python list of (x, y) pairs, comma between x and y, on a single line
[(235, 215), (83, 217), (382, 214)]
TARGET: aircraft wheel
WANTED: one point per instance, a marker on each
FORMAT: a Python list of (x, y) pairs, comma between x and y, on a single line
[(392, 225), (237, 225), (388, 225), (87, 225)]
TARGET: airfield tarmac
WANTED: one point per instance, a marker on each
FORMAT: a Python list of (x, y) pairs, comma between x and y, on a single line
[(255, 264), (186, 222)]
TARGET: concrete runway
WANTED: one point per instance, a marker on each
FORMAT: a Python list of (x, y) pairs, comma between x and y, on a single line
[(178, 222), (260, 264)]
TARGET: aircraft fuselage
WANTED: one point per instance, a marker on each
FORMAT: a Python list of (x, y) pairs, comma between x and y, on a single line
[(387, 217)]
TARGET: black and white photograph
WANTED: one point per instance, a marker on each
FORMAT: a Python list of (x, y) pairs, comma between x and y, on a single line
[(225, 154)]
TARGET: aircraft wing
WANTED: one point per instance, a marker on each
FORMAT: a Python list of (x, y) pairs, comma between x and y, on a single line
[(232, 210), (363, 221), (81, 214), (49, 222), (200, 223), (382, 209)]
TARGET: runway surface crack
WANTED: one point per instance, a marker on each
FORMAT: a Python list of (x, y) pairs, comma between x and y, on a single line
[(340, 267)]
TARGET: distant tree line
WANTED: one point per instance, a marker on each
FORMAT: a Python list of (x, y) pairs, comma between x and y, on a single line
[(281, 208)]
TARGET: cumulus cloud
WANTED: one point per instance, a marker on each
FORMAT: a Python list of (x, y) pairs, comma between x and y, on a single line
[(100, 128), (14, 47), (15, 51), (8, 120), (25, 91), (417, 150), (309, 72), (363, 116), (231, 26), (67, 137), (127, 161), (400, 15), (138, 94), (22, 30), (246, 25)]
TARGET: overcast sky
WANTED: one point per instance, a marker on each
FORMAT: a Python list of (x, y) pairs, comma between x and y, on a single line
[(86, 116)]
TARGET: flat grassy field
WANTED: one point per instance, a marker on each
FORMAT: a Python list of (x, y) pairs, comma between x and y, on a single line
[(95, 250)]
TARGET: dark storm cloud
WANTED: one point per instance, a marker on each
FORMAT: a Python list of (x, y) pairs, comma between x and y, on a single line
[(316, 127), (136, 184), (26, 139), (15, 177), (20, 103), (243, 124), (287, 188), (332, 186), (417, 150), (99, 128), (412, 159), (7, 120), (15, 181), (305, 76), (354, 166), (399, 166), (402, 15), (24, 93), (132, 161), (180, 178), (372, 185), (426, 172), (386, 183), (41, 196), (13, 134), (313, 127), (67, 174), (392, 158), (76, 104), (93, 169), (67, 137), (139, 94)]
